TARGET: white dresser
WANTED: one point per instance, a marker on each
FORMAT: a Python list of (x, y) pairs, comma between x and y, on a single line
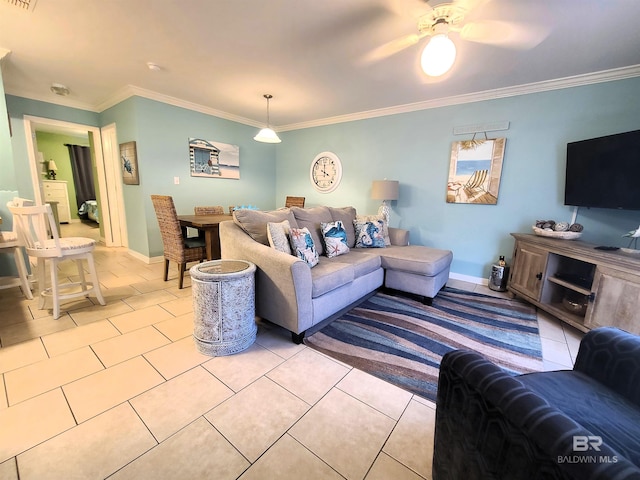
[(56, 191)]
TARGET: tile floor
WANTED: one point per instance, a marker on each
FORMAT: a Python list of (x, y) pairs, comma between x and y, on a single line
[(119, 391)]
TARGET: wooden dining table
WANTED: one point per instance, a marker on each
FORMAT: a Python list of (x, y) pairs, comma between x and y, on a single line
[(210, 225)]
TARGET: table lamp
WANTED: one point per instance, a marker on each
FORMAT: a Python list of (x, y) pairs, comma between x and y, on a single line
[(53, 168), (385, 190)]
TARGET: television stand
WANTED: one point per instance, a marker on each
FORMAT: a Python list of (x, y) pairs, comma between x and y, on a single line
[(559, 275)]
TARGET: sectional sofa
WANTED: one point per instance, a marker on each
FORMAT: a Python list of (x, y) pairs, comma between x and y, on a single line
[(295, 295)]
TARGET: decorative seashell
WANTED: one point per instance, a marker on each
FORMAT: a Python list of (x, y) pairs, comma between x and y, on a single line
[(548, 226), (576, 227), (561, 227)]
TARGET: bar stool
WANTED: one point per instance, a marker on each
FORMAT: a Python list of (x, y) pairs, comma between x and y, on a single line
[(9, 244), (34, 225)]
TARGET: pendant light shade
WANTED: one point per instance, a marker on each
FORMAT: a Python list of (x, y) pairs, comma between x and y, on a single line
[(267, 135), (438, 56)]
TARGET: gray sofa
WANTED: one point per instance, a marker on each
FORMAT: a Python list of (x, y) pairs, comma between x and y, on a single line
[(295, 296)]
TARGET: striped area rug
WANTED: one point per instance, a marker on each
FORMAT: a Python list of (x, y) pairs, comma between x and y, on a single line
[(402, 341)]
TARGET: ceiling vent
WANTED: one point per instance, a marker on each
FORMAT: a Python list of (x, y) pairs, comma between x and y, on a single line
[(26, 5)]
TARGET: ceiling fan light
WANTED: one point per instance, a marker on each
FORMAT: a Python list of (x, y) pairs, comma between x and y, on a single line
[(267, 135), (438, 55)]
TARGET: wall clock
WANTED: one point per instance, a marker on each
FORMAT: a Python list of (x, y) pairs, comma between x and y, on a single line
[(326, 172)]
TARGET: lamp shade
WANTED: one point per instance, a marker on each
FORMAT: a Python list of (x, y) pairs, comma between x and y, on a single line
[(267, 135), (438, 56), (52, 166), (384, 189)]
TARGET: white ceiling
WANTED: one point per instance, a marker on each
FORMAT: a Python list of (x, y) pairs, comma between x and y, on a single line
[(221, 56)]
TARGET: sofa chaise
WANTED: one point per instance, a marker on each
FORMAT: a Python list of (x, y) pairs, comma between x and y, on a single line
[(573, 424), (296, 296)]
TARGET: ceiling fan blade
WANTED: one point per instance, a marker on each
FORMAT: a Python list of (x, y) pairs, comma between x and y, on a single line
[(505, 34), (408, 8), (391, 48)]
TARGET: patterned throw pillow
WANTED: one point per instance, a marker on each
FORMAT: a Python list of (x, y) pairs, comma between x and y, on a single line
[(278, 235), (373, 218), (369, 234), (335, 238), (302, 245)]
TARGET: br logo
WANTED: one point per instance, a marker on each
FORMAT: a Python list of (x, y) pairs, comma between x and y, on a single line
[(584, 443)]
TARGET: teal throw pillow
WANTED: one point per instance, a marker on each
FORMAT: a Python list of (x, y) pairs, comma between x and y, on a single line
[(302, 245), (335, 238), (369, 234)]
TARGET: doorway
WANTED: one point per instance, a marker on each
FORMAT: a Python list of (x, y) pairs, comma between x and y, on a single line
[(111, 205)]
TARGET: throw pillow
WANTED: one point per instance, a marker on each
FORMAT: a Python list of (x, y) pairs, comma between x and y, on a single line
[(369, 234), (346, 215), (335, 238), (373, 218), (254, 222), (312, 218), (302, 245), (278, 234)]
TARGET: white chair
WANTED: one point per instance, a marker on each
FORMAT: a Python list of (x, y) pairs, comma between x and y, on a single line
[(9, 244), (35, 225)]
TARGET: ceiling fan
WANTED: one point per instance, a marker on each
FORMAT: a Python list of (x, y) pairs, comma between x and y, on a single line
[(438, 20)]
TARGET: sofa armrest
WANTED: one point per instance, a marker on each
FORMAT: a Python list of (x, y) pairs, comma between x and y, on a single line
[(490, 426), (283, 282), (612, 357), (399, 236)]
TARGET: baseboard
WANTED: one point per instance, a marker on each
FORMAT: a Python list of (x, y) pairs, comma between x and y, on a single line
[(144, 258), (469, 278)]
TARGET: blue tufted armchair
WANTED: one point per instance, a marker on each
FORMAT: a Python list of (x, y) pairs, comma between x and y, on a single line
[(572, 424)]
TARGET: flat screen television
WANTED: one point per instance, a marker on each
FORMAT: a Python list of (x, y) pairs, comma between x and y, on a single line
[(604, 172)]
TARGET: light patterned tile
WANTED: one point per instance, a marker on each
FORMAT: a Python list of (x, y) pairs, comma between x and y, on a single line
[(99, 312), (22, 354), (174, 359), (101, 391), (386, 468), (74, 338), (32, 422), (94, 449), (37, 378), (278, 340), (21, 332), (3, 395), (195, 391), (176, 328), (411, 442), (123, 347), (122, 281), (197, 451), (381, 395), (262, 403), (239, 370), (344, 432), (9, 470), (309, 375), (135, 319), (556, 352), (287, 459), (179, 306), (138, 302)]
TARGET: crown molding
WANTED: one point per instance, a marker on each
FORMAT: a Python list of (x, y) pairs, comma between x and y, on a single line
[(131, 90), (525, 89)]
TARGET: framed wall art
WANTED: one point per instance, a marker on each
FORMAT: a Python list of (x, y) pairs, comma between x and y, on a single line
[(129, 161), (213, 159), (474, 171)]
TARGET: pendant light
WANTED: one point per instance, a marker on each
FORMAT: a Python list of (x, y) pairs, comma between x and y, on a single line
[(267, 135)]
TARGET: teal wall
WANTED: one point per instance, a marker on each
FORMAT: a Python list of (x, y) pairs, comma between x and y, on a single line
[(162, 133), (414, 148)]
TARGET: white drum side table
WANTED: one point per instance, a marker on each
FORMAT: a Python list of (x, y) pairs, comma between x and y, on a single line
[(223, 306)]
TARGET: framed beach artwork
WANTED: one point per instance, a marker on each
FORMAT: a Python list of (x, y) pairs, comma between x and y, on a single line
[(475, 170), (129, 163), (209, 158)]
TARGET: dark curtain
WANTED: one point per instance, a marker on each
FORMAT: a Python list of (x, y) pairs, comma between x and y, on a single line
[(82, 173)]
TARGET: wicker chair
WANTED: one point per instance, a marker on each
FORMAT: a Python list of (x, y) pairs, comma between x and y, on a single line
[(177, 248), (294, 202), (215, 210)]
